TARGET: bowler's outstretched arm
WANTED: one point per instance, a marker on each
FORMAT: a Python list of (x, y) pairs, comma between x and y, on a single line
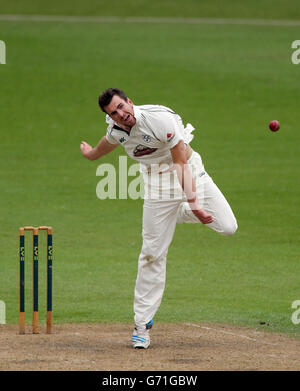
[(102, 148)]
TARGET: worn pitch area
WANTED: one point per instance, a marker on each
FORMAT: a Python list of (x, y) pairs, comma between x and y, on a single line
[(184, 346)]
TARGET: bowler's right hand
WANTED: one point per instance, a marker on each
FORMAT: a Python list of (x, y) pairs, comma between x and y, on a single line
[(85, 149), (203, 216)]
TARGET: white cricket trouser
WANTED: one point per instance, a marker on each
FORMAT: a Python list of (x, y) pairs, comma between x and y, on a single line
[(163, 209)]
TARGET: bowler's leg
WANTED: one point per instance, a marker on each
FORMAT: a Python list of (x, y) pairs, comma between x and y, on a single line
[(216, 204), (212, 201), (159, 222)]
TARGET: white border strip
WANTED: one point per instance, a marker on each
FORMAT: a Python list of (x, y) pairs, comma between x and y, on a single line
[(229, 333), (163, 20)]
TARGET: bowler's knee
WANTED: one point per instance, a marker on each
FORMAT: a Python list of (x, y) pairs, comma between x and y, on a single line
[(229, 228), (152, 254)]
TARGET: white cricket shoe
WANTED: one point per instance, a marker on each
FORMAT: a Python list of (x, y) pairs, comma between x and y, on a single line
[(141, 336)]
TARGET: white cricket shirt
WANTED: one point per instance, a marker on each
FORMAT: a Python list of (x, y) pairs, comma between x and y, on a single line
[(157, 130)]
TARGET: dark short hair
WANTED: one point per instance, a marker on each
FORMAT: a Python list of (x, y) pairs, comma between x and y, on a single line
[(107, 95)]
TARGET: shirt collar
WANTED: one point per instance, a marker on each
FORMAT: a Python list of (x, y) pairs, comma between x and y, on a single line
[(137, 113)]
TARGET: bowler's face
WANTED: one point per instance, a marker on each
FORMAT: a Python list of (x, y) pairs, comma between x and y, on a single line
[(121, 111)]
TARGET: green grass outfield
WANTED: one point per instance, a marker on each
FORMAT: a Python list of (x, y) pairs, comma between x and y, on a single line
[(229, 82), (263, 9)]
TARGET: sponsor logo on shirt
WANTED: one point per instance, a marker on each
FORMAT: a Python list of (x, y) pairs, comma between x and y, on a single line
[(122, 139), (141, 150)]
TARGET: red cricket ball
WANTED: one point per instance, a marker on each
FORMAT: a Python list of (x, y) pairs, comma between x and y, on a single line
[(274, 126)]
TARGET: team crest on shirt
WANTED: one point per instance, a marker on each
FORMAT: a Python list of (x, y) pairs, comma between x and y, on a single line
[(141, 150), (170, 136), (146, 138)]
